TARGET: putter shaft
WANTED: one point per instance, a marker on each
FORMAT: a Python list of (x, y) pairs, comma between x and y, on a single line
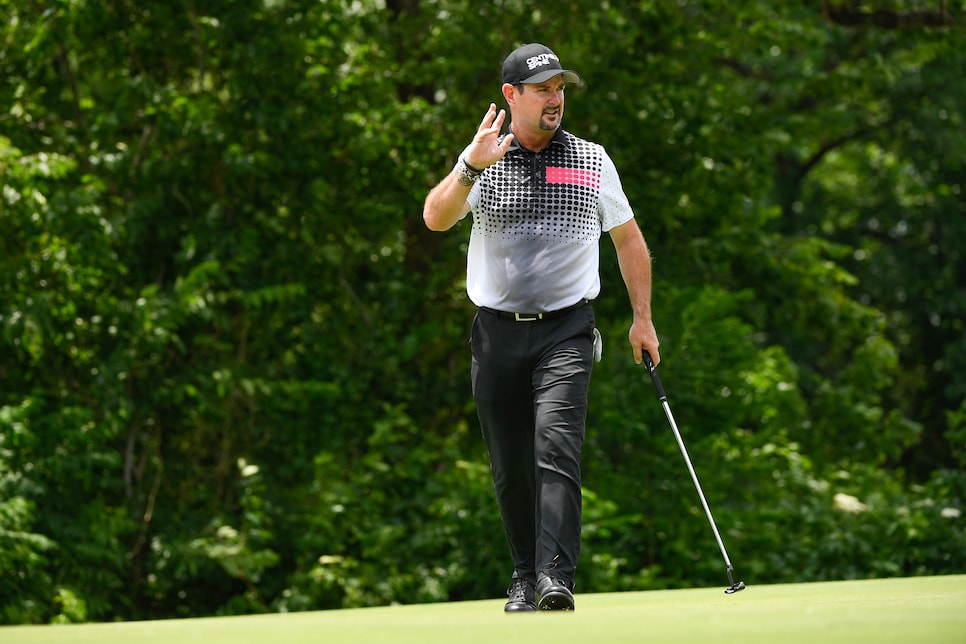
[(652, 369)]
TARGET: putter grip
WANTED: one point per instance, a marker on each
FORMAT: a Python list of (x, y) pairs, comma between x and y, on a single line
[(656, 379)]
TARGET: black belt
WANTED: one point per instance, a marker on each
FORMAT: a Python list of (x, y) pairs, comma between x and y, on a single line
[(533, 317)]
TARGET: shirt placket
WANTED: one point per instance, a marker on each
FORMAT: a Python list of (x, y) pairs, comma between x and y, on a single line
[(538, 180)]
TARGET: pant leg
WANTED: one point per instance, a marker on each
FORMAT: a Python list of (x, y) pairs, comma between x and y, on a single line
[(504, 402), (530, 384), (561, 380)]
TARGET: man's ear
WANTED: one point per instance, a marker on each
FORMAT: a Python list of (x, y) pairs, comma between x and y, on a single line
[(509, 93)]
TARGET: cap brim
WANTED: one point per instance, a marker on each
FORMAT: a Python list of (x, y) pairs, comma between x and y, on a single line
[(569, 76)]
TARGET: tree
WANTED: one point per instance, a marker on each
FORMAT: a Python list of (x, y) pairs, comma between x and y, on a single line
[(235, 376)]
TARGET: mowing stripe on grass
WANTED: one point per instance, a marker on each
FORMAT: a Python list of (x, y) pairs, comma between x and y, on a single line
[(913, 610)]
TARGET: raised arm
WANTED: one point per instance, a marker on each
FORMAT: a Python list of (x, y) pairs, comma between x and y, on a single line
[(446, 203), (634, 259)]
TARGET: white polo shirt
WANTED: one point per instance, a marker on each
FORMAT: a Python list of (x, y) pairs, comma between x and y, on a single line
[(537, 222)]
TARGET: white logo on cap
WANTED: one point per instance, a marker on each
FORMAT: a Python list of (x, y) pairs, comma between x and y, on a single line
[(541, 60)]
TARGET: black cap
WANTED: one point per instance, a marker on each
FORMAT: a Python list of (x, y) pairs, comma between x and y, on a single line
[(534, 63)]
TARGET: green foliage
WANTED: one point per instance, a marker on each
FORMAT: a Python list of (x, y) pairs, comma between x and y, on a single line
[(849, 524), (407, 521), (235, 376), (23, 553)]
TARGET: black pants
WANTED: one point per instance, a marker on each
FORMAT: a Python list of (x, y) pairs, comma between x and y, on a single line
[(530, 383)]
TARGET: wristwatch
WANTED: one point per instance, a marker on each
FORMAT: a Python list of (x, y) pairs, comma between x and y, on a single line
[(467, 173)]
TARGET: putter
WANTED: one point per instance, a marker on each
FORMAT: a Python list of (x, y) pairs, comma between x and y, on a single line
[(649, 363)]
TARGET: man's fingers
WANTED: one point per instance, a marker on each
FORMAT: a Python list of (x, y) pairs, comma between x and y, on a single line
[(639, 354), (485, 124), (507, 140), (485, 145), (643, 340), (491, 124)]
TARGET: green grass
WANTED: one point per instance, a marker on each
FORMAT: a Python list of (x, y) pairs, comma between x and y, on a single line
[(916, 609)]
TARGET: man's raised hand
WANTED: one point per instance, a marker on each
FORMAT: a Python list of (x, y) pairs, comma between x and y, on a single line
[(486, 148)]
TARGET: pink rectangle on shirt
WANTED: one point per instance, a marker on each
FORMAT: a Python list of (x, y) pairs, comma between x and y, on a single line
[(574, 176)]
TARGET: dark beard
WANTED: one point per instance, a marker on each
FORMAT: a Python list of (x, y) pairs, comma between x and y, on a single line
[(546, 126)]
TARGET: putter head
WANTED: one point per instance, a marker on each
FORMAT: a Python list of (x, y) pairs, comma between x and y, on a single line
[(733, 588), (735, 585)]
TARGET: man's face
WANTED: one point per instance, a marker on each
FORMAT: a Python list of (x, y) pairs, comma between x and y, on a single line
[(541, 105)]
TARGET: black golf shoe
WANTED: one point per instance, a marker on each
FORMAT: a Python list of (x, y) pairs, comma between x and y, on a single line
[(521, 597), (553, 594)]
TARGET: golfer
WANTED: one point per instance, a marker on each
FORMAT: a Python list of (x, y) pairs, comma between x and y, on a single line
[(540, 198)]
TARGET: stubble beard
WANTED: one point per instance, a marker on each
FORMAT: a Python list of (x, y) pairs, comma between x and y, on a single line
[(547, 126)]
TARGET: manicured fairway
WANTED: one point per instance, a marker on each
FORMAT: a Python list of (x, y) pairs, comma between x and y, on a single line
[(930, 610)]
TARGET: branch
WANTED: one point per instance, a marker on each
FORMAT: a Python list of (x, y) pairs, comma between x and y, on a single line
[(740, 68), (827, 147), (854, 17), (199, 46)]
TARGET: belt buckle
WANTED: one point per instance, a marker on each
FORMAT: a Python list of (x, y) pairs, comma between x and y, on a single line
[(527, 318)]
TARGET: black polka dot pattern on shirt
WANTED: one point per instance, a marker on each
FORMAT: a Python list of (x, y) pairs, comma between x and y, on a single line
[(552, 195), (537, 221)]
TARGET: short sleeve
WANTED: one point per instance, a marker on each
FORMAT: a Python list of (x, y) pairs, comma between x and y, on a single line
[(614, 207)]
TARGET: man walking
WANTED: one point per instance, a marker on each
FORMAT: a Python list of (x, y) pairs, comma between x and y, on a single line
[(540, 198)]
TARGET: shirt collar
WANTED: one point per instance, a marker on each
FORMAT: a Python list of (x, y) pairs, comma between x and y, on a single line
[(559, 138)]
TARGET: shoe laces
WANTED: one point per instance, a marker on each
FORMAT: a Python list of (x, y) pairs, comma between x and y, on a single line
[(517, 592)]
